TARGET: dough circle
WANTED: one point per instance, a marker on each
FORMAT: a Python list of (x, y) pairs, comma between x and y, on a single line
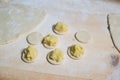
[(61, 33), (53, 62), (60, 26), (48, 47), (50, 40), (69, 54), (16, 20), (34, 38), (83, 36)]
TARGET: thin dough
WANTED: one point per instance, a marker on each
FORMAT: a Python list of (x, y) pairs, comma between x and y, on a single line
[(16, 20), (114, 26), (83, 36), (34, 38)]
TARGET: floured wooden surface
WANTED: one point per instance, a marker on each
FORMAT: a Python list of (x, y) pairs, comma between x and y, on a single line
[(82, 6), (96, 61), (10, 54), (15, 74)]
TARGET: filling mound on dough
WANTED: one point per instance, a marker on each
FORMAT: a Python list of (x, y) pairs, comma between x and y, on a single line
[(30, 53), (56, 55), (50, 40), (61, 27), (76, 50)]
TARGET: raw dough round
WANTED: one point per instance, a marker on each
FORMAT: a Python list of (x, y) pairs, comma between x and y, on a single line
[(83, 36), (59, 32), (73, 57), (60, 28), (30, 52), (50, 39), (69, 54), (53, 62), (16, 20), (48, 47), (34, 38)]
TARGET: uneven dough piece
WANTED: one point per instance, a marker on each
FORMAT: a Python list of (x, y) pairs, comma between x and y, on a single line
[(16, 20), (34, 38), (83, 36), (114, 26)]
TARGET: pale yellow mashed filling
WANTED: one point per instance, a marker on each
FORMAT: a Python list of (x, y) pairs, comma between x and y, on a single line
[(56, 55), (30, 53), (50, 40), (76, 50), (61, 27)]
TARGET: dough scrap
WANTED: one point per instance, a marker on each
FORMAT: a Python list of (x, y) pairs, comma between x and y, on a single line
[(34, 38), (114, 26), (83, 36), (16, 20)]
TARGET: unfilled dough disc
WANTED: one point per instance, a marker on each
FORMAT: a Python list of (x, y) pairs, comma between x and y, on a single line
[(34, 38), (16, 20), (114, 25), (83, 36)]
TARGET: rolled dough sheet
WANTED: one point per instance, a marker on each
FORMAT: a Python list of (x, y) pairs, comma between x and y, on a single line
[(16, 20), (114, 26)]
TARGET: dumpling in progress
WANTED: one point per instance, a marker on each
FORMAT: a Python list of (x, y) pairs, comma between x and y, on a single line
[(56, 56), (75, 51), (50, 41), (60, 28), (29, 54)]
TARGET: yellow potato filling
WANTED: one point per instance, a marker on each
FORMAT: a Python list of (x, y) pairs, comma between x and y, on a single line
[(61, 27), (76, 50), (50, 40), (56, 55)]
